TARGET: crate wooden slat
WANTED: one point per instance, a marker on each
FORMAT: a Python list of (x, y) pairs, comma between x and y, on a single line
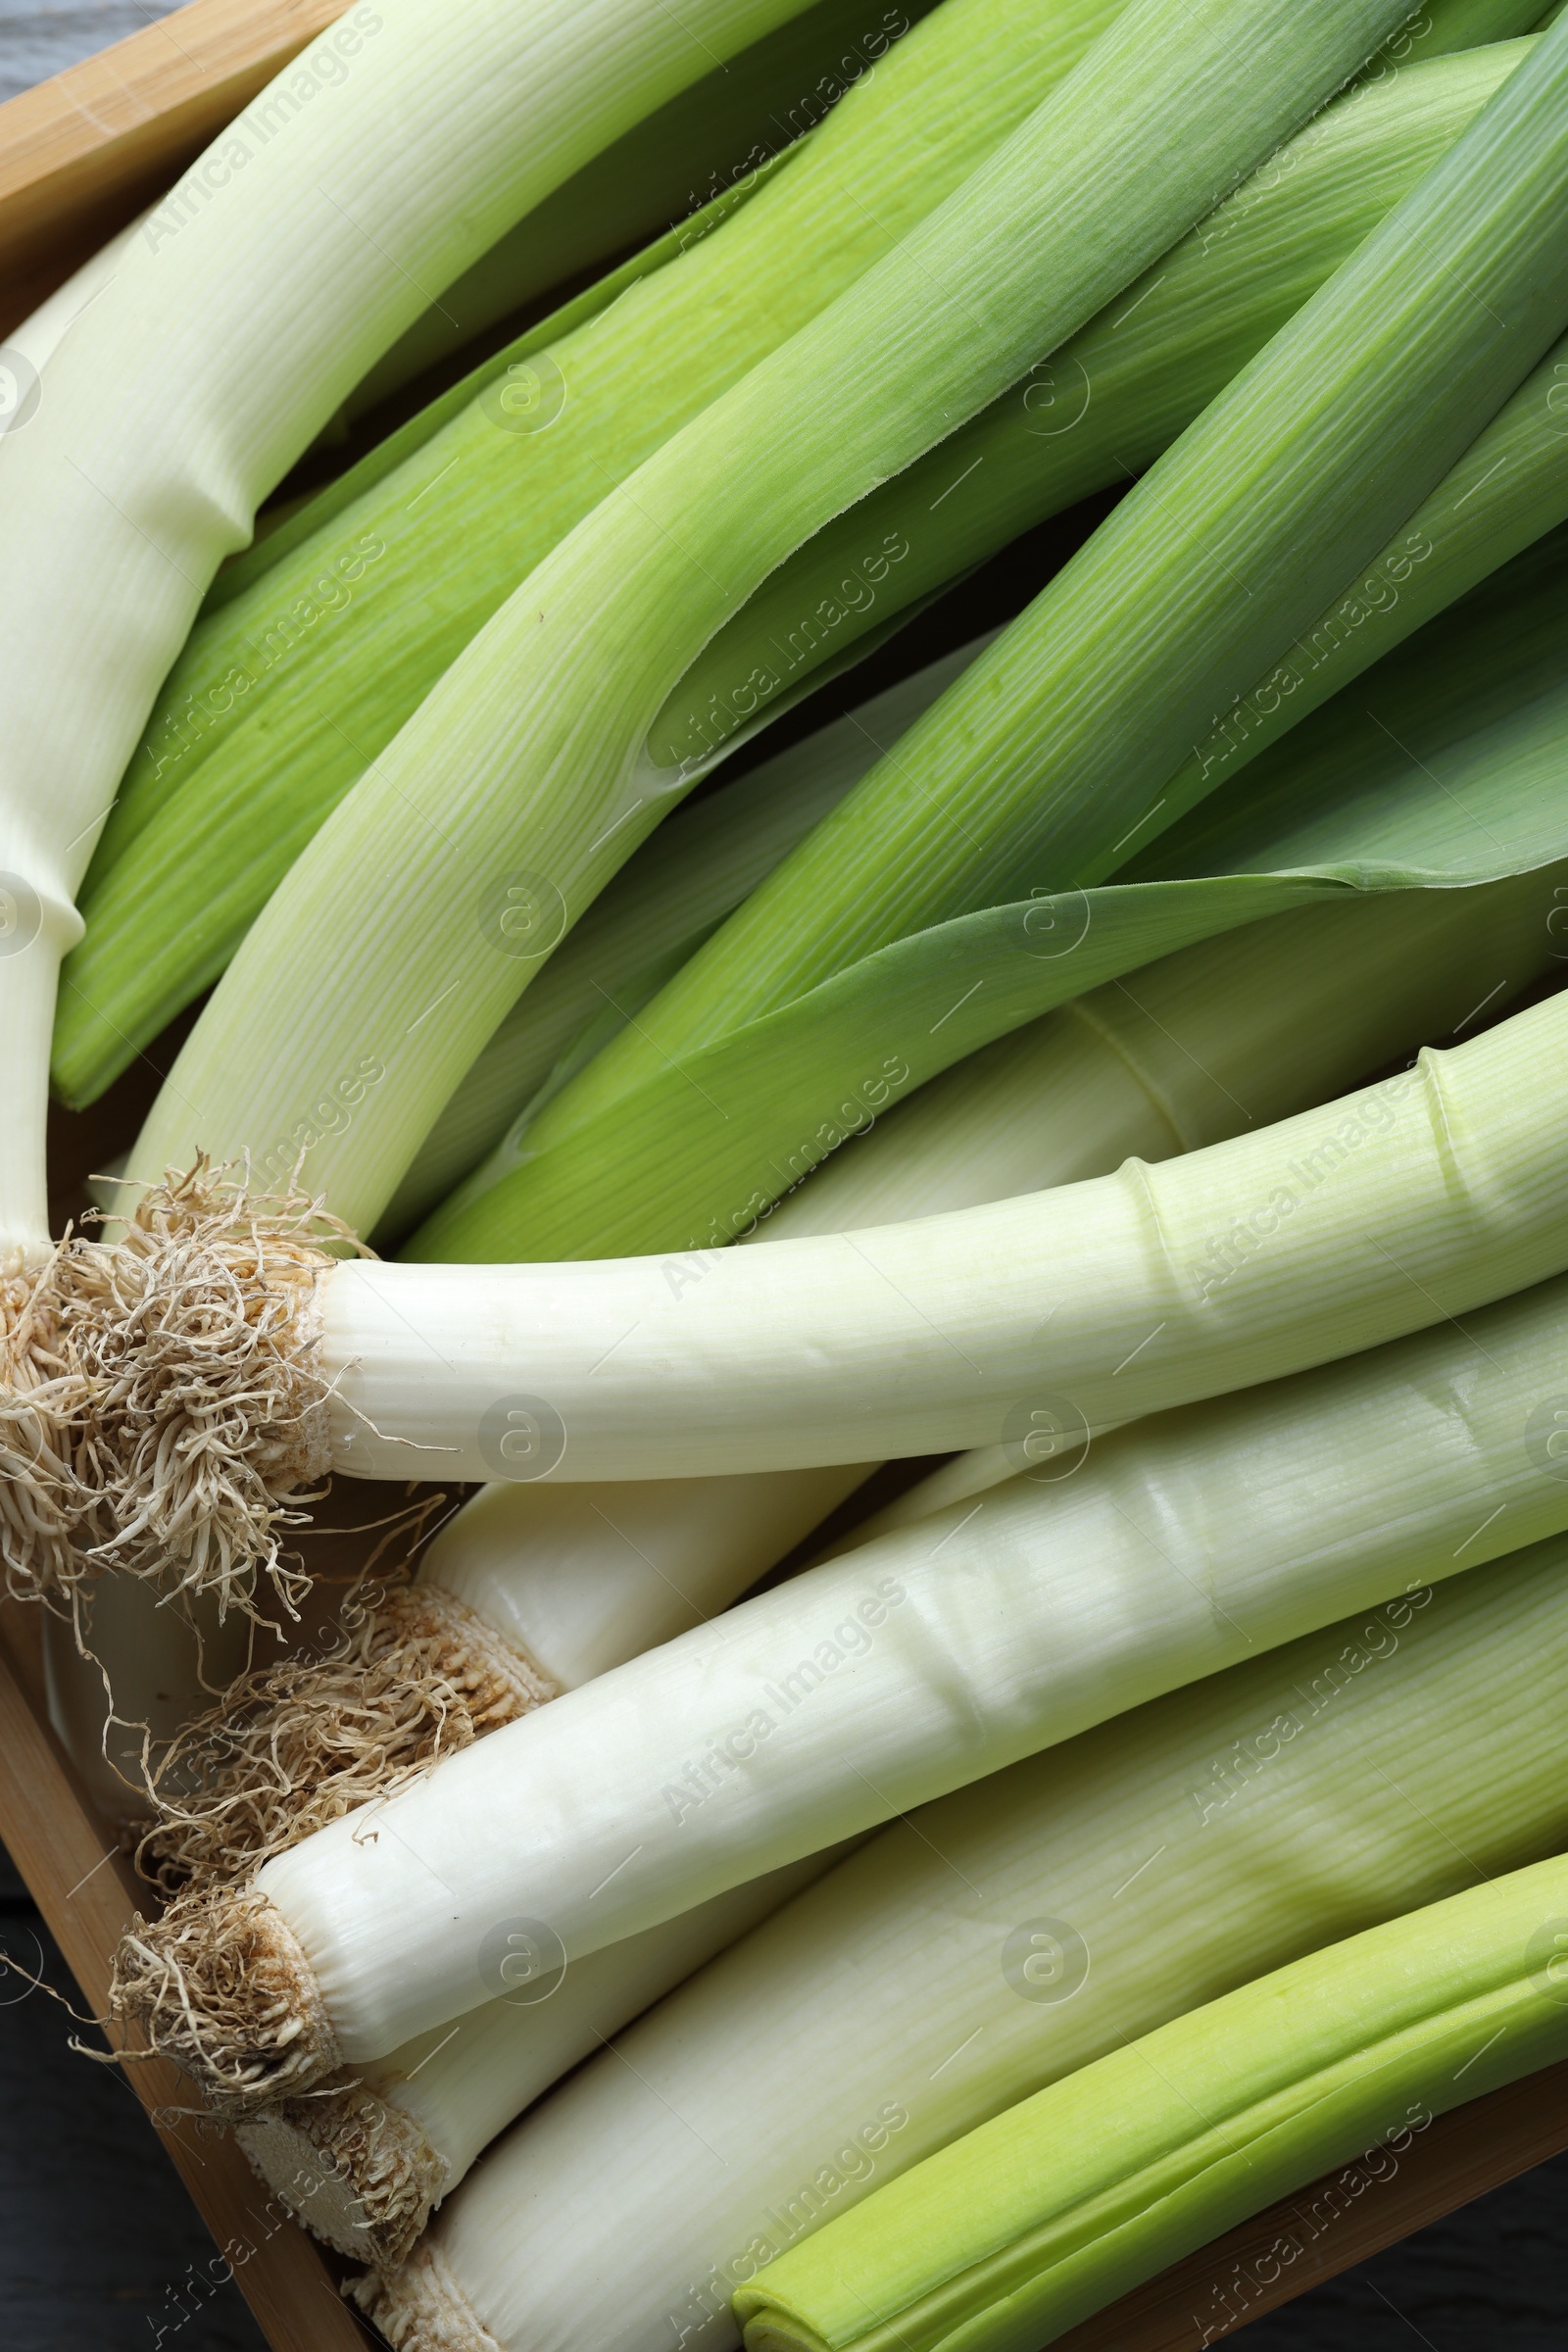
[(82, 153), (79, 156), (87, 1894), (1337, 2223)]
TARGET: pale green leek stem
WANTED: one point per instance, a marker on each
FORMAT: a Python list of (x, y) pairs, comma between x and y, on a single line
[(921, 1661), (413, 147), (534, 735), (1044, 768), (1169, 1856), (660, 908), (1059, 2206), (293, 689)]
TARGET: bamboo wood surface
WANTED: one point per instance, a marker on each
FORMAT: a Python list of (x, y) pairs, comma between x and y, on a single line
[(79, 156), (87, 1895), (81, 152)]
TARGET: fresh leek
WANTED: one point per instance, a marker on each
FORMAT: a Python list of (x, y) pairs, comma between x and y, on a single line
[(1203, 1043), (1103, 407), (521, 784), (1045, 766), (1097, 1578), (1203, 1400), (1000, 1940), (1446, 767), (1271, 1258), (535, 1587), (290, 692), (529, 1591), (1053, 2210), (285, 260), (709, 141), (365, 2163), (660, 908)]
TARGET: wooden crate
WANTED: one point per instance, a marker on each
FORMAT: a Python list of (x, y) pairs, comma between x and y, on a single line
[(79, 156), (82, 153)]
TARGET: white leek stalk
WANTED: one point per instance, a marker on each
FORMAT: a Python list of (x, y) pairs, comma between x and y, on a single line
[(921, 1661), (580, 1579), (1190, 1050), (40, 337), (1416, 1198), (1423, 1195), (290, 254), (535, 1587), (998, 1942), (531, 1592), (366, 2163)]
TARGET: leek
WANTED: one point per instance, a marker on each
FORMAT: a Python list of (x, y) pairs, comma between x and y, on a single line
[(720, 1362), (1442, 26), (1105, 404), (917, 1664), (1510, 487), (567, 1582), (528, 1593), (1270, 1260), (1050, 2212), (535, 1589), (311, 516), (365, 2163), (779, 88), (255, 298), (39, 337), (1348, 333), (1447, 769), (1196, 1047), (708, 141), (659, 909), (938, 1976), (1206, 310), (529, 747), (285, 696)]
